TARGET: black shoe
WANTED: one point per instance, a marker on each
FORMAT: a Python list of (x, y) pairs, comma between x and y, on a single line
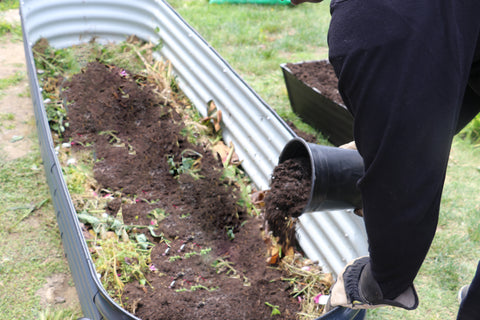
[(357, 289)]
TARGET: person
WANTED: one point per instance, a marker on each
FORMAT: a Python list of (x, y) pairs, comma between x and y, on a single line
[(409, 72)]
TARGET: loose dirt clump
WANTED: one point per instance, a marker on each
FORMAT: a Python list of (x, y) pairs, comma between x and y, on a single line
[(289, 193)]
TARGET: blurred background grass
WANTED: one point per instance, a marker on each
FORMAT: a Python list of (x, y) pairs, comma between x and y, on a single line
[(254, 40)]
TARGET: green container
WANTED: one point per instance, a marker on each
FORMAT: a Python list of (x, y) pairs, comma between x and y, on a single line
[(252, 1)]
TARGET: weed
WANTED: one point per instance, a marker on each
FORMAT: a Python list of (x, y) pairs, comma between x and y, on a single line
[(188, 255), (190, 164), (50, 314), (113, 139), (78, 178), (101, 226), (8, 28), (308, 282), (205, 251), (120, 262), (7, 117), (56, 115), (8, 4), (275, 309), (174, 258), (121, 255), (158, 214), (222, 265), (202, 252), (471, 132), (230, 233), (195, 288), (11, 80)]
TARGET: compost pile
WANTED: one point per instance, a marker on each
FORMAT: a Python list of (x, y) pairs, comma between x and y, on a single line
[(138, 139), (320, 75)]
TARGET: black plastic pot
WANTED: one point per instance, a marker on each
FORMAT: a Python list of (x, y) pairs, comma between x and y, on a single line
[(335, 173), (314, 108)]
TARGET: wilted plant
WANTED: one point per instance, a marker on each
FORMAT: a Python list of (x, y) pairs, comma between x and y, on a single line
[(190, 164)]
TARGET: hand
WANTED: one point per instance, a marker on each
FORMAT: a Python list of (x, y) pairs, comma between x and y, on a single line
[(356, 288), (295, 2), (350, 146)]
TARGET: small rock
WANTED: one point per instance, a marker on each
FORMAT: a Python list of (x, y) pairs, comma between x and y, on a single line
[(59, 300), (16, 139)]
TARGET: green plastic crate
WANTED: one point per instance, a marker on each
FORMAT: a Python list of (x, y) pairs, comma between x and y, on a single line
[(252, 1)]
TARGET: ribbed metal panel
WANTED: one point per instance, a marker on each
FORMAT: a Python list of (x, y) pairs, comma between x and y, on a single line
[(333, 238), (258, 133)]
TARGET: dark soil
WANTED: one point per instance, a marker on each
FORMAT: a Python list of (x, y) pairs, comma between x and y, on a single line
[(320, 75), (308, 137), (133, 131), (289, 193)]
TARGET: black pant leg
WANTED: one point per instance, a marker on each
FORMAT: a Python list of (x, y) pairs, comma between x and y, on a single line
[(402, 70), (469, 308)]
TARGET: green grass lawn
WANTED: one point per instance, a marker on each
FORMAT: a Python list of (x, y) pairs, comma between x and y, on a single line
[(255, 40), (30, 246)]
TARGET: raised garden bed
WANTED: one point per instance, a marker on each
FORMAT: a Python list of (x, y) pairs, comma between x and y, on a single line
[(163, 203), (312, 90), (254, 128)]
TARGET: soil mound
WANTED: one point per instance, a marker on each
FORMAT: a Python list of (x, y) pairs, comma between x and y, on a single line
[(198, 270)]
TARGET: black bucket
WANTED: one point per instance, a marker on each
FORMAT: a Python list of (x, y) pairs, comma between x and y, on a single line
[(335, 173)]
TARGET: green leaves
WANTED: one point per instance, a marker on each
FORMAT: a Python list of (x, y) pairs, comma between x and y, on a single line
[(275, 309), (191, 162)]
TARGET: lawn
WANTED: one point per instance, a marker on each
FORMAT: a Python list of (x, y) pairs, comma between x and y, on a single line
[(255, 40)]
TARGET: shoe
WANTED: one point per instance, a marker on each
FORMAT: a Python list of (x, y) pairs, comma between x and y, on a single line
[(462, 293), (357, 289)]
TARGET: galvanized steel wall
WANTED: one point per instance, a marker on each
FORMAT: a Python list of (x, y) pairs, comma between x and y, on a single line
[(258, 133)]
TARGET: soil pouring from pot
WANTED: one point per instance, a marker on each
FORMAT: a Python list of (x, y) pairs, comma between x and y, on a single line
[(289, 193)]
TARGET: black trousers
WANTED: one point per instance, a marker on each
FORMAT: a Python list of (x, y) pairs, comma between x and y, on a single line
[(409, 72)]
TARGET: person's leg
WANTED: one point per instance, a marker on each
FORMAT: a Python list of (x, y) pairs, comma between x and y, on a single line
[(402, 70), (469, 308)]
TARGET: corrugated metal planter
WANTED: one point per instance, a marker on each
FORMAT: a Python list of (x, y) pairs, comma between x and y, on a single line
[(329, 117), (258, 133)]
